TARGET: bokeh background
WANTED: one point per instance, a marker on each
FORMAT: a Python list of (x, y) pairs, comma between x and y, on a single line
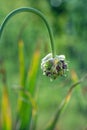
[(68, 20)]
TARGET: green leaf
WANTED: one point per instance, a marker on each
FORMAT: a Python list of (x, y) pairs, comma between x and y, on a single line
[(52, 124), (21, 63), (6, 111), (30, 85)]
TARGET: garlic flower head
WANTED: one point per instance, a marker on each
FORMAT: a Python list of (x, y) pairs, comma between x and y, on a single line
[(54, 67)]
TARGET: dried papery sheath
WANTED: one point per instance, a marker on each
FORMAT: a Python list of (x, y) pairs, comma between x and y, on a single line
[(53, 67)]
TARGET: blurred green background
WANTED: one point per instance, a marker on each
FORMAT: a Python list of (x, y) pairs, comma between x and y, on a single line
[(68, 21)]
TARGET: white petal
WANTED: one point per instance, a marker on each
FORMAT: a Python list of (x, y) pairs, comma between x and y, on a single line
[(61, 57), (47, 57)]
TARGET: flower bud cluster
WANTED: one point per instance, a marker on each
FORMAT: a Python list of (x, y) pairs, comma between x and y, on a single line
[(53, 67)]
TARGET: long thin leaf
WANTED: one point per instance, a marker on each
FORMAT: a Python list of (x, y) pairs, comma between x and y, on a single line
[(79, 95), (52, 124), (29, 100), (22, 78), (5, 106), (22, 69), (30, 86), (6, 111), (32, 73), (21, 62)]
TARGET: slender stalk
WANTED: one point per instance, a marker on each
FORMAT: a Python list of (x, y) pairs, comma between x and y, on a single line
[(35, 11)]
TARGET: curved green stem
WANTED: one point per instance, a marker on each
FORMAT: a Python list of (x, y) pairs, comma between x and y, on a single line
[(35, 11)]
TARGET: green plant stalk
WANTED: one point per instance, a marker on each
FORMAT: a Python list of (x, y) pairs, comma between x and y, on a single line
[(52, 124), (35, 11), (30, 87)]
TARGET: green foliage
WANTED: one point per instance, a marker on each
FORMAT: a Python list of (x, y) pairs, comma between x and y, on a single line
[(21, 59), (28, 82)]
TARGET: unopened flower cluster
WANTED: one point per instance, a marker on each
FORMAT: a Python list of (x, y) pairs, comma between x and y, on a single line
[(53, 67)]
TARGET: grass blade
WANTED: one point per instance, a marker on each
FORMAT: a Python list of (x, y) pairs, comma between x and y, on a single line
[(21, 62), (52, 124), (6, 111), (79, 95), (5, 105), (32, 73), (30, 87)]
